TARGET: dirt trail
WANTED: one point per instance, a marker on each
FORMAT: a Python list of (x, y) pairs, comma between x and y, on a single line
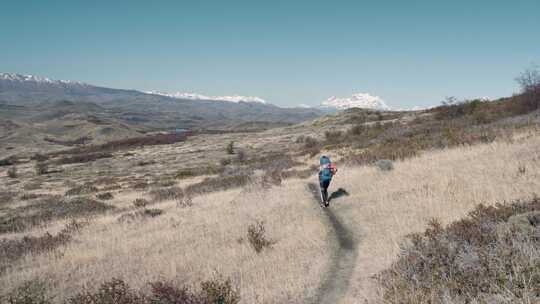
[(335, 283)]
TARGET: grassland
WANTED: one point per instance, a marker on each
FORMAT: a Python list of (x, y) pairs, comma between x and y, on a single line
[(185, 212)]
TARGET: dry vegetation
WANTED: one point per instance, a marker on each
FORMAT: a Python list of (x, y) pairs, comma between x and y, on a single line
[(228, 218)]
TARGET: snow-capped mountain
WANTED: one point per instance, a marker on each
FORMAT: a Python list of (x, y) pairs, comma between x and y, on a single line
[(196, 96), (37, 79), (358, 100)]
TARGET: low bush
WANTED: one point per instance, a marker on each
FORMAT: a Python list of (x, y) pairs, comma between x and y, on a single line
[(81, 190), (333, 136), (7, 197), (230, 148), (128, 143), (384, 165), (116, 291), (220, 183), (40, 157), (79, 141), (105, 196), (493, 253), (83, 158), (30, 292), (12, 172), (41, 168), (47, 209), (152, 212), (225, 162), (163, 194), (140, 215), (198, 171), (241, 156), (30, 196), (257, 237), (310, 142), (14, 249), (140, 203)]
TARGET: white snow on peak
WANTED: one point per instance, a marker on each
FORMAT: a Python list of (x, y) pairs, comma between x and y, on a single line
[(36, 79), (358, 100), (196, 96)]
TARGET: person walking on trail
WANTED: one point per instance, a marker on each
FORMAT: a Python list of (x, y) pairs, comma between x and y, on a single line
[(326, 172)]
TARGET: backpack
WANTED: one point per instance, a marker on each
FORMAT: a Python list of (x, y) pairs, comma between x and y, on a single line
[(328, 169)]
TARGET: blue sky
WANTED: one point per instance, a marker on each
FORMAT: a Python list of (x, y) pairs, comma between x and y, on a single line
[(287, 52)]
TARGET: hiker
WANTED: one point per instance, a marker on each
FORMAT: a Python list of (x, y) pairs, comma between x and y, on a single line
[(326, 172)]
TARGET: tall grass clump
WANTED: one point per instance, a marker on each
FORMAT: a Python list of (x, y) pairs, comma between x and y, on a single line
[(257, 237)]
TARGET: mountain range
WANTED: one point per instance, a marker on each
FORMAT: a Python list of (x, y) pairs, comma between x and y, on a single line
[(358, 100), (34, 108)]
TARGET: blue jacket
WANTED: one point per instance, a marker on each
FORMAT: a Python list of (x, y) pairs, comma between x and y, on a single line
[(325, 174)]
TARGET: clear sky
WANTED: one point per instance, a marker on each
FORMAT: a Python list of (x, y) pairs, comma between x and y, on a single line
[(287, 52)]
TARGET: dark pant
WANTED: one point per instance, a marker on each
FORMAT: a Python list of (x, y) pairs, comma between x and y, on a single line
[(324, 189)]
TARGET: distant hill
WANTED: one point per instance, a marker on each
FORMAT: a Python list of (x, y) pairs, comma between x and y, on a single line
[(67, 110)]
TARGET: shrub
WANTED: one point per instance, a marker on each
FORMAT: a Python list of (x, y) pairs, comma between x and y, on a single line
[(333, 136), (257, 237), (310, 142), (357, 130), (163, 194), (105, 196), (12, 172), (384, 165), (139, 215), (39, 157), (185, 202), (230, 148), (30, 292), (81, 190), (29, 196), (83, 158), (241, 156), (13, 249), (140, 185), (168, 293), (140, 203), (47, 209), (218, 291), (153, 212), (493, 252), (224, 182), (115, 291), (225, 162), (185, 173), (41, 168)]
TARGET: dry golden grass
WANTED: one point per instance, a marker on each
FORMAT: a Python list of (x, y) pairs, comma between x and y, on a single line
[(191, 244), (385, 206)]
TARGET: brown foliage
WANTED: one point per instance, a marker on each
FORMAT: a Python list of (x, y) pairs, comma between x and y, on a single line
[(476, 259)]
